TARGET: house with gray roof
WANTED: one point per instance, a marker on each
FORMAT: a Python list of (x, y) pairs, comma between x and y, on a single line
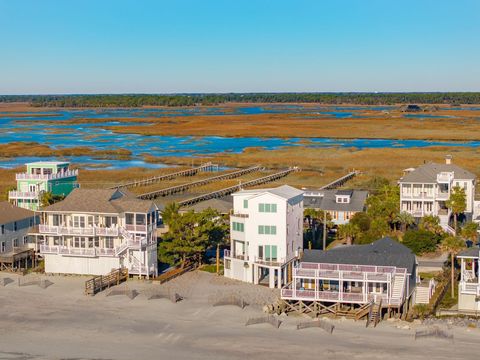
[(425, 190), (340, 204), (93, 231), (469, 284), (15, 223), (383, 272)]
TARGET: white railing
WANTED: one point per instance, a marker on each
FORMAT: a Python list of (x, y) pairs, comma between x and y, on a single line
[(440, 195), (135, 228), (89, 231), (23, 194), (469, 288), (89, 252), (64, 250), (448, 229), (59, 175), (349, 267), (46, 249), (329, 296)]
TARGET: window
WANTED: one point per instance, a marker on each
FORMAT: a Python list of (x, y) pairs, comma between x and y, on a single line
[(25, 240), (140, 219), (15, 242), (227, 264), (129, 219), (2, 229), (15, 226), (245, 204), (270, 252), (78, 221), (2, 246), (267, 229), (111, 220), (109, 243), (238, 226), (90, 221), (268, 208)]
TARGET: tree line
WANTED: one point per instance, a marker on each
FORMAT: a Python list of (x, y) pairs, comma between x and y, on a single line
[(139, 100)]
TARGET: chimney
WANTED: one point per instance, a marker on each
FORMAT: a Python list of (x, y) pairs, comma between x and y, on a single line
[(448, 159)]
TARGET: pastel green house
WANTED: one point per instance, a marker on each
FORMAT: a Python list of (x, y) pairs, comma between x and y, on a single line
[(43, 176)]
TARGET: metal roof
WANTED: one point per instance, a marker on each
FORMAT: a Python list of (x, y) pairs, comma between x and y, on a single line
[(383, 252), (427, 173)]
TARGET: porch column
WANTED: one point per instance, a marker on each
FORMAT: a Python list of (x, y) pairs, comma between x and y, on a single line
[(364, 287), (271, 278), (462, 268), (255, 274), (279, 278)]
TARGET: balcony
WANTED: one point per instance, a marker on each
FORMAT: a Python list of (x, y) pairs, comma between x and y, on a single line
[(91, 231), (241, 216), (442, 195), (136, 228), (23, 194), (228, 254), (60, 175), (71, 251)]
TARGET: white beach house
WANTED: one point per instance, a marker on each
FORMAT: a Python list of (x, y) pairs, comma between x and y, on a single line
[(266, 230), (94, 231), (425, 190)]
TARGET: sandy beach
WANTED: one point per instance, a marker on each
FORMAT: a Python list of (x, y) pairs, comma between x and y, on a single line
[(60, 322)]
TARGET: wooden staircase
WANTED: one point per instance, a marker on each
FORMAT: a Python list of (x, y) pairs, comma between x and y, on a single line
[(374, 314)]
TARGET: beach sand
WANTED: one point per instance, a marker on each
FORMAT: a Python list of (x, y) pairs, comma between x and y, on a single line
[(60, 322)]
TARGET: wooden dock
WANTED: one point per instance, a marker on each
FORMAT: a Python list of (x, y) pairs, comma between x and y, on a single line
[(155, 179), (181, 188), (232, 189), (102, 282), (340, 181)]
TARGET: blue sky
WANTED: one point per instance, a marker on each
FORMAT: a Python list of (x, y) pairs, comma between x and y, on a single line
[(117, 46)]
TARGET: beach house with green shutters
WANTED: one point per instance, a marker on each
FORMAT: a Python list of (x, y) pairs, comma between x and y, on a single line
[(44, 176)]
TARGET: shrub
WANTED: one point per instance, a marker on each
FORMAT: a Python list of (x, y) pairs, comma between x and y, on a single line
[(420, 241)]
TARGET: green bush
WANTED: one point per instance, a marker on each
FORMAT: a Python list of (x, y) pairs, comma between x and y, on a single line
[(420, 241)]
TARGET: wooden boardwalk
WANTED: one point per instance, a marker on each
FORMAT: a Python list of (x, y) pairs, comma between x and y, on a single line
[(99, 283), (340, 181), (232, 189), (155, 179), (181, 188)]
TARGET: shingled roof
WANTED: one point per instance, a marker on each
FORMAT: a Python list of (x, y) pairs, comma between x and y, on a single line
[(427, 173), (383, 252), (10, 213), (327, 200), (110, 201)]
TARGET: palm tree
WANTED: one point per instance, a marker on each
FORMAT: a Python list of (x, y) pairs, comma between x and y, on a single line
[(347, 232), (470, 231), (431, 223), (457, 203), (453, 245), (405, 219)]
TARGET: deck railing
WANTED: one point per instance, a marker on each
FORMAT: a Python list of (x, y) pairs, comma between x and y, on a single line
[(59, 175), (23, 194), (469, 288), (88, 231)]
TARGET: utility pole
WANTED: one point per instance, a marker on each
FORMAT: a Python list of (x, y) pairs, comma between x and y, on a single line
[(324, 230)]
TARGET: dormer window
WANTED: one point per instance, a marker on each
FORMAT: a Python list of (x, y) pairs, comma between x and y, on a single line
[(342, 199)]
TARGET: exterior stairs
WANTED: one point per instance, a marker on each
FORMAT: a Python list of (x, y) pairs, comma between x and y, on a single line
[(398, 288), (422, 295), (375, 314)]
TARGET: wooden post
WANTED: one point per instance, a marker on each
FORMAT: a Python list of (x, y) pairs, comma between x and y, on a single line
[(218, 259)]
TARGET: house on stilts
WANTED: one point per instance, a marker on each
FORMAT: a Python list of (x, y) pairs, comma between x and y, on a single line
[(352, 280)]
